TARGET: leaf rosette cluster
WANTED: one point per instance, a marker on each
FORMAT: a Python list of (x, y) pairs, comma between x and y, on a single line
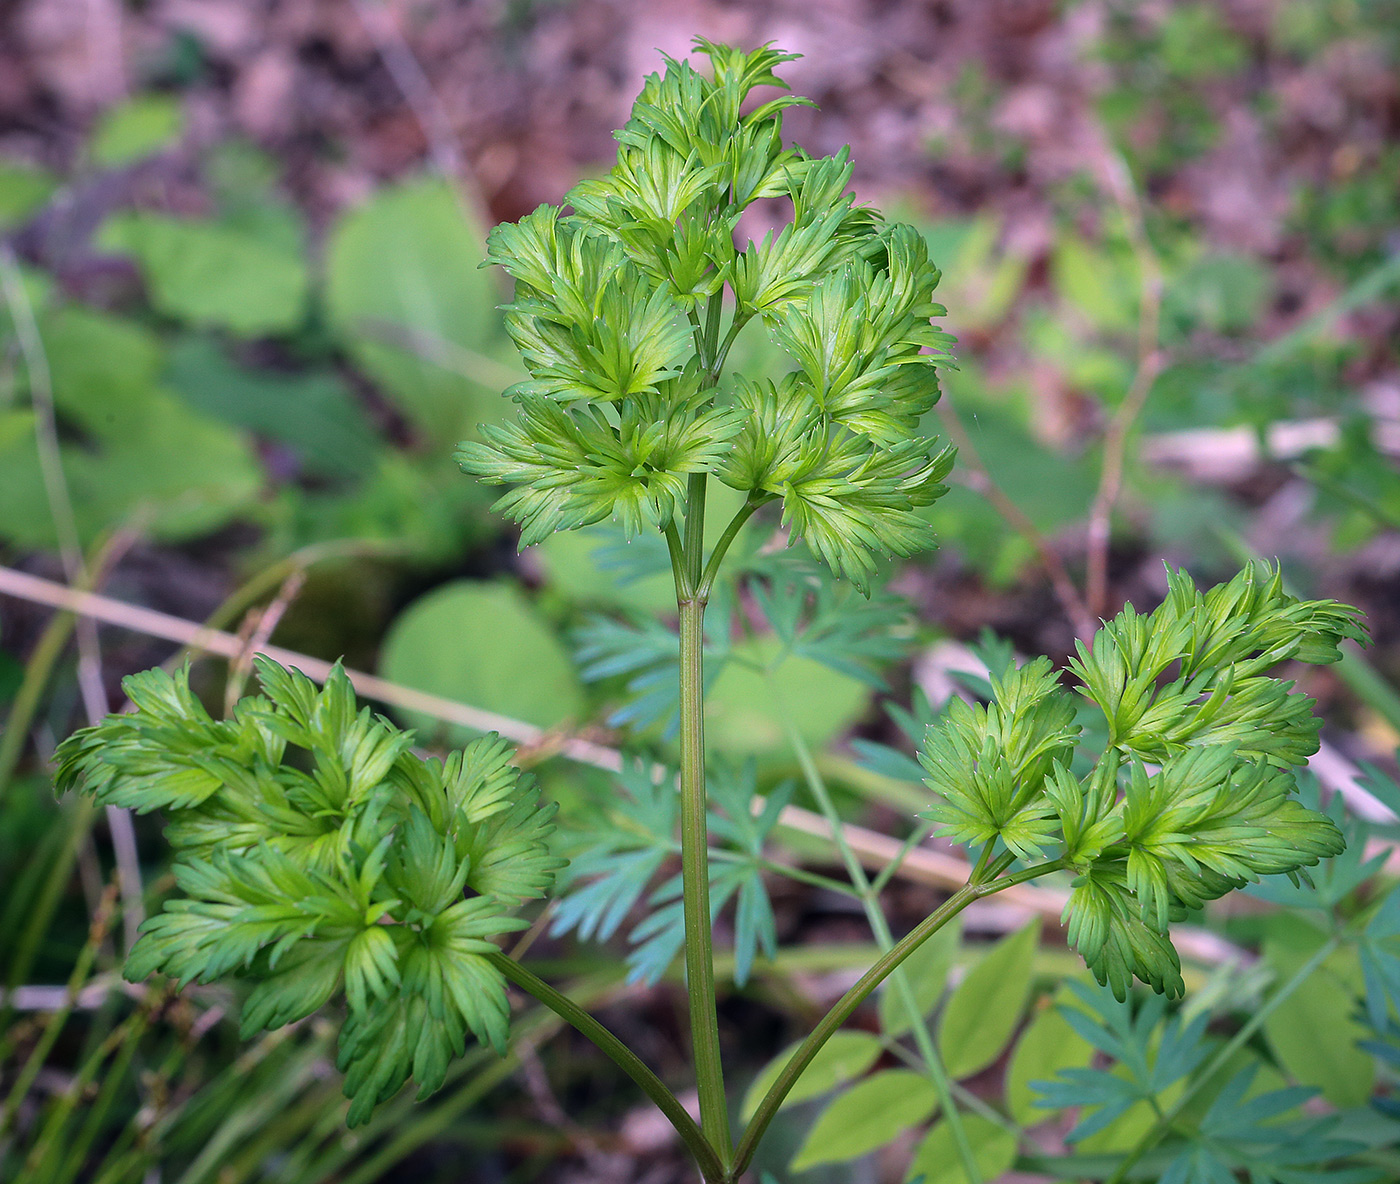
[(1192, 795), (317, 854), (618, 317)]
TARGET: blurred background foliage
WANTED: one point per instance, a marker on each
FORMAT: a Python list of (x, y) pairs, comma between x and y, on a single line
[(244, 324)]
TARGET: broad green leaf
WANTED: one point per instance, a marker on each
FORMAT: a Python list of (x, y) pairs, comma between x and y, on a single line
[(208, 274), (1222, 292), (405, 294), (845, 1056), (744, 709), (23, 190), (145, 459), (570, 559), (980, 283), (483, 645), (15, 425), (136, 128), (1314, 1032), (1047, 1045), (983, 1012), (938, 1161), (314, 413), (926, 970), (1098, 282), (1051, 489), (868, 1115)]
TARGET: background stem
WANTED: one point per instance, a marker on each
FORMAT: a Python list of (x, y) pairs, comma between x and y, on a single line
[(879, 927)]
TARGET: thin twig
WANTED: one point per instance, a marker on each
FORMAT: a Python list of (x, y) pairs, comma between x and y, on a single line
[(262, 625), (413, 83), (1119, 181), (977, 477)]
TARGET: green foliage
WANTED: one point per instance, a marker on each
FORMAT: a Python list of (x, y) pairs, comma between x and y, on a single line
[(866, 1116), (926, 971), (616, 861), (469, 641), (1244, 1127), (209, 275), (136, 129), (139, 455), (621, 407), (23, 190), (982, 1014), (1314, 1034), (1214, 812), (843, 1058), (405, 297), (347, 875), (936, 1160), (813, 624), (314, 414), (1153, 1055)]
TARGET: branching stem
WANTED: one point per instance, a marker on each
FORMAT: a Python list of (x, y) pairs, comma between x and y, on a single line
[(622, 1056), (870, 902)]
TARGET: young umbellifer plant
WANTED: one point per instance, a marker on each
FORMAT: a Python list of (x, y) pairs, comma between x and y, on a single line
[(317, 854)]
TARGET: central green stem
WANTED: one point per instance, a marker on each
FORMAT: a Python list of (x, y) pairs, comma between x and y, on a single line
[(695, 877)]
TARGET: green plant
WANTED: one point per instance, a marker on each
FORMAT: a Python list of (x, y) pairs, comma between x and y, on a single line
[(319, 855)]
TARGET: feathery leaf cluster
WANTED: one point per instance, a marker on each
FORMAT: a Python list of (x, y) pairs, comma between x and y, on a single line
[(617, 316), (1193, 795), (316, 853)]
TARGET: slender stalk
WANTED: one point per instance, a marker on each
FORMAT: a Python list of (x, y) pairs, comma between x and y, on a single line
[(37, 671), (731, 532), (839, 1014), (887, 873), (875, 917), (622, 1056), (887, 964), (695, 878)]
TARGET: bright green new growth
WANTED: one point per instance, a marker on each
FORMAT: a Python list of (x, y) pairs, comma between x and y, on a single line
[(623, 402), (315, 852), (1191, 798)]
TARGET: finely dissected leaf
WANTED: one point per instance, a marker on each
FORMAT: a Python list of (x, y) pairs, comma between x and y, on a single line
[(988, 765), (842, 1058), (1151, 1058), (1192, 796), (937, 1161), (1265, 1135), (868, 1115), (616, 317), (983, 1011), (616, 864), (316, 852), (1048, 1045)]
